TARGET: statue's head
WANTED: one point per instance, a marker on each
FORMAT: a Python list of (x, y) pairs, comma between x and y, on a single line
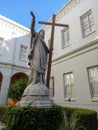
[(42, 33)]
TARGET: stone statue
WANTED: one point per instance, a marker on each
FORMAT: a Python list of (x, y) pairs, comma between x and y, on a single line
[(38, 55), (36, 93)]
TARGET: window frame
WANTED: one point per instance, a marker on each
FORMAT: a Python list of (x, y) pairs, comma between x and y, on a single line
[(89, 23), (21, 51), (92, 88), (65, 37), (52, 91), (69, 97)]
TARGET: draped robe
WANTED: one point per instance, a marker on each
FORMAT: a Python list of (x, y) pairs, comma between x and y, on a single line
[(38, 60)]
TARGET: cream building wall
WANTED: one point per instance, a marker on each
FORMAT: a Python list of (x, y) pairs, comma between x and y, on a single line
[(12, 37), (80, 54)]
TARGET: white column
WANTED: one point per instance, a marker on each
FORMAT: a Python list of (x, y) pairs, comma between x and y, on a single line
[(4, 89)]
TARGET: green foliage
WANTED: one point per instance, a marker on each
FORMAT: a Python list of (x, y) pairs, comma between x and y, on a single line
[(55, 118), (97, 122), (3, 111), (81, 118), (88, 118), (28, 118), (16, 89), (73, 123)]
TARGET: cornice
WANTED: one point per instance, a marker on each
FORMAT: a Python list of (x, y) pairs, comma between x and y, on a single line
[(78, 51), (67, 8), (9, 65), (14, 23)]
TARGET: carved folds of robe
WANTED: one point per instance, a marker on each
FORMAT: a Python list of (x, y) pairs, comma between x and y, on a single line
[(38, 60)]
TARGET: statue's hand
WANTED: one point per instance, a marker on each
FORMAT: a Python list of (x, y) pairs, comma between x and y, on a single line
[(32, 14)]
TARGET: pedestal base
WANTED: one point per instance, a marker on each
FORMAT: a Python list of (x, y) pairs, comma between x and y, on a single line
[(36, 95)]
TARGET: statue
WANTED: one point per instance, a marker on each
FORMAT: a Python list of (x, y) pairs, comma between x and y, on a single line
[(36, 93), (38, 55)]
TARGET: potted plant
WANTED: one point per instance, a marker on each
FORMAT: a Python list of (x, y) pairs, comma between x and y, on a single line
[(16, 90)]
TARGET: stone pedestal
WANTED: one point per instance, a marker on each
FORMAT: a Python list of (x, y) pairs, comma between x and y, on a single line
[(37, 95)]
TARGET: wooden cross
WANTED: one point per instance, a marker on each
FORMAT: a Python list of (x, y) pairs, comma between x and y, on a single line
[(53, 24)]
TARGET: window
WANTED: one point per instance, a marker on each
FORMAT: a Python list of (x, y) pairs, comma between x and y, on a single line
[(65, 37), (23, 52), (87, 23), (68, 85), (93, 80), (51, 86), (1, 42)]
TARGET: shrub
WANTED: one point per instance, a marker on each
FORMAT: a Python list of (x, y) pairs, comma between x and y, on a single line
[(3, 111), (28, 118), (85, 118), (32, 118), (16, 89), (88, 118)]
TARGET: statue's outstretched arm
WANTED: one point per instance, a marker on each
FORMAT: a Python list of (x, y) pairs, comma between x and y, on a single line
[(32, 27)]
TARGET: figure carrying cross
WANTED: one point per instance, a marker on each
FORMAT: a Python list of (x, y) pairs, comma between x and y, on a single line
[(39, 51), (37, 92)]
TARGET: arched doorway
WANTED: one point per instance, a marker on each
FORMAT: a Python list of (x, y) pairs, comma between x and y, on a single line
[(18, 76), (14, 94), (0, 79)]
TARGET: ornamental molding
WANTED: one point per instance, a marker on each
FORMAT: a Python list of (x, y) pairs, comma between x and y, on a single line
[(12, 24), (67, 8)]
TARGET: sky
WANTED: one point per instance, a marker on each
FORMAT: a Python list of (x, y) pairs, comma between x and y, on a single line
[(19, 10)]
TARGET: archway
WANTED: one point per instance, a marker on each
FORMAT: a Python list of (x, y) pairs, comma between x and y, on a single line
[(18, 76), (14, 92)]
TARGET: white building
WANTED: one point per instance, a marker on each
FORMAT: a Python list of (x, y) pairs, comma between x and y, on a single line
[(14, 43), (74, 74)]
